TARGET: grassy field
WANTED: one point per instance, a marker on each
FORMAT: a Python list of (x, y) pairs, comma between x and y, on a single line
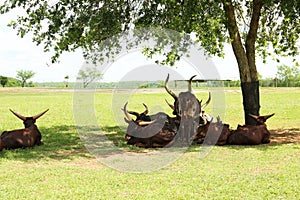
[(63, 169)]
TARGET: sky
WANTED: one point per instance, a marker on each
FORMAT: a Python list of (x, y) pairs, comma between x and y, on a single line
[(18, 53)]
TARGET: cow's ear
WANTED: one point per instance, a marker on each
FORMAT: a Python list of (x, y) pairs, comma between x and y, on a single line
[(126, 120)]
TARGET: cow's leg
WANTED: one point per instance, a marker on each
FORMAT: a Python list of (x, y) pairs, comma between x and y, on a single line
[(39, 143), (1, 145)]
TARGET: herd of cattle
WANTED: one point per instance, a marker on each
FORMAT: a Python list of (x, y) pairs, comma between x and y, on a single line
[(189, 125)]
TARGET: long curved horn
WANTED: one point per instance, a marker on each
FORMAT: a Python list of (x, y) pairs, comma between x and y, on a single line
[(171, 106), (133, 113), (136, 113), (147, 110), (190, 83), (128, 117), (18, 115), (207, 102), (168, 89), (268, 116), (199, 102), (144, 123), (262, 117), (253, 116), (39, 115)]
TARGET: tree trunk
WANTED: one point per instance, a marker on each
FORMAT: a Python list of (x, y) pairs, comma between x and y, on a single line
[(251, 103), (245, 57), (250, 92)]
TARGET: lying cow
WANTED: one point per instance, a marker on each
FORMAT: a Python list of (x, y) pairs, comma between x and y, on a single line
[(251, 134), (21, 138), (149, 130), (212, 133)]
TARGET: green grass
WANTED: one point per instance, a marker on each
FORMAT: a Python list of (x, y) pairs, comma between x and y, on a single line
[(63, 169)]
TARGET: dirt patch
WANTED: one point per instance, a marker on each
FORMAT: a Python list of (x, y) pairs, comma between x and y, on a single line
[(285, 136), (29, 90)]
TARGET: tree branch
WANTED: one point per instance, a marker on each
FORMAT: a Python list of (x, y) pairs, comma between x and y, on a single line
[(236, 41), (251, 38)]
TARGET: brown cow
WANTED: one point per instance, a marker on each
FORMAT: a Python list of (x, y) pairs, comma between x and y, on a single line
[(187, 108), (149, 130), (21, 138), (212, 133), (175, 108), (251, 134)]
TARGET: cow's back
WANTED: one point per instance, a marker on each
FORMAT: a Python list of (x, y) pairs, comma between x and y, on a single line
[(212, 133), (249, 135), (4, 133), (21, 138)]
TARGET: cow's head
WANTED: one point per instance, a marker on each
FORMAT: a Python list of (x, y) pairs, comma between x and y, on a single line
[(144, 128), (28, 121), (141, 116)]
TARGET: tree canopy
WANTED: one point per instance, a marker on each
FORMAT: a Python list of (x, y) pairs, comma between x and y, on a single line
[(253, 28), (66, 25), (24, 75), (89, 75), (289, 75)]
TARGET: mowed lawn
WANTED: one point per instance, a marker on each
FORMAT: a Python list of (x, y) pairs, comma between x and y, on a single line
[(63, 169)]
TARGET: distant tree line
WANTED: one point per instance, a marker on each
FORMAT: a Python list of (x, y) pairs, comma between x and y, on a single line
[(13, 82), (9, 82), (286, 76), (20, 80)]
